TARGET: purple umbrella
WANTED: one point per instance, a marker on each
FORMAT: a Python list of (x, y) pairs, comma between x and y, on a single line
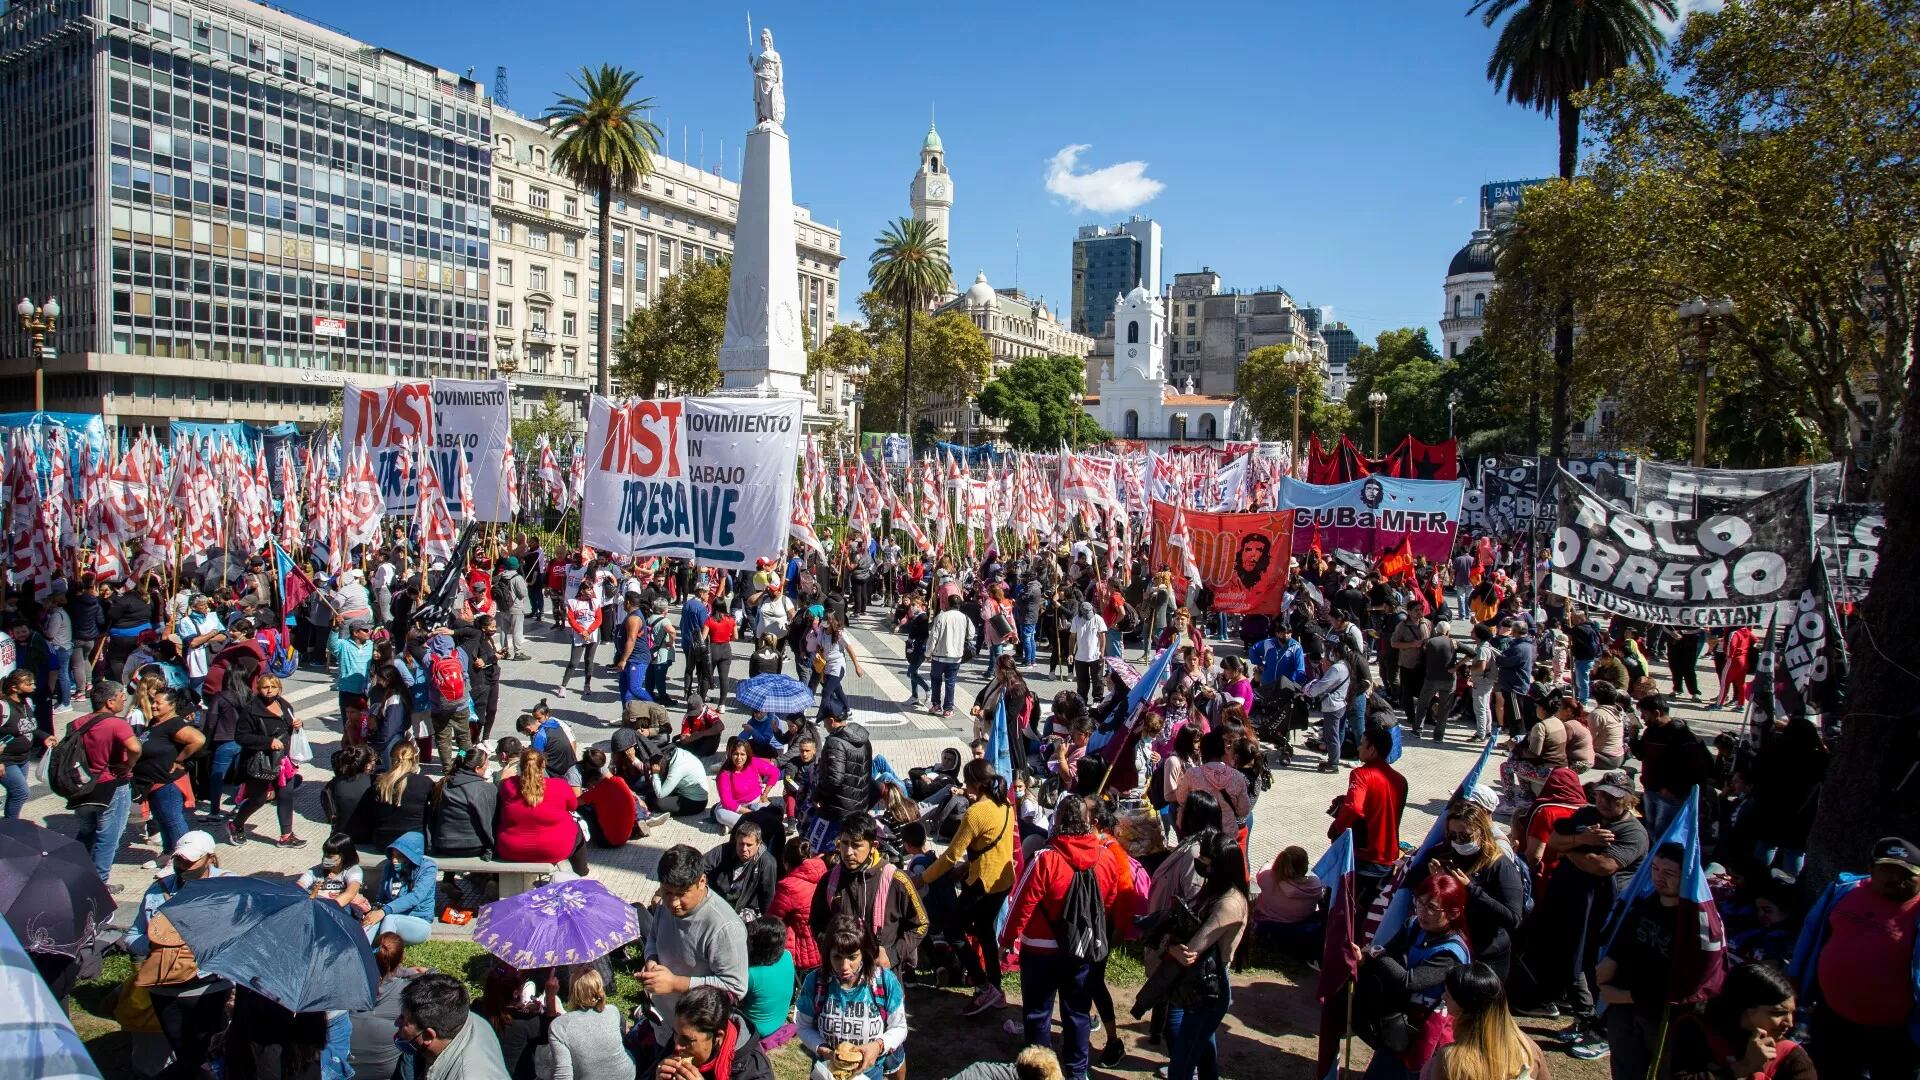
[(566, 922)]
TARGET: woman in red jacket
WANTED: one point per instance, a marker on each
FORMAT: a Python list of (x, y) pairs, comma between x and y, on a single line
[(536, 818), (800, 874)]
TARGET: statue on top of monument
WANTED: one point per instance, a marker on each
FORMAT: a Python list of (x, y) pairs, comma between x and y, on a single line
[(769, 98)]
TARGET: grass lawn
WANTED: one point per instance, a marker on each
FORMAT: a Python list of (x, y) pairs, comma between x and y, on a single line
[(1270, 1033)]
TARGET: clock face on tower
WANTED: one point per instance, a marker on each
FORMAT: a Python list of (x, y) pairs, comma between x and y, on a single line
[(936, 190)]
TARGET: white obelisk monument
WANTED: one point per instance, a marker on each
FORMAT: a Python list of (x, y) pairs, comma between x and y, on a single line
[(763, 348)]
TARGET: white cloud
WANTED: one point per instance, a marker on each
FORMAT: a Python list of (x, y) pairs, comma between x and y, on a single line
[(1120, 186), (1687, 7), (1459, 200)]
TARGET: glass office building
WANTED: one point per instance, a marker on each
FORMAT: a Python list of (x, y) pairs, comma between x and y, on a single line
[(1108, 261), (237, 208)]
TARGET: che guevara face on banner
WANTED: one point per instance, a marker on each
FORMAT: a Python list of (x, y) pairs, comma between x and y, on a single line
[(1242, 558)]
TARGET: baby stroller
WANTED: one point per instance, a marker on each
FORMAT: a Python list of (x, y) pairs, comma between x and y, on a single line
[(1278, 712)]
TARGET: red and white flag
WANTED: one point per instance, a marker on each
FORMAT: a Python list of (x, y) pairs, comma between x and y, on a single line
[(431, 517), (360, 505)]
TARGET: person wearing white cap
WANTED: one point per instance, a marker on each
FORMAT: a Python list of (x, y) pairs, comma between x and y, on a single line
[(193, 1012)]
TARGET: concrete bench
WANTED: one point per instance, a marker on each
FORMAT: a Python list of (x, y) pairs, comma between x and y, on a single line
[(513, 878)]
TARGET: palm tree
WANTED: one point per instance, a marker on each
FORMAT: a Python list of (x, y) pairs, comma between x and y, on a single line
[(1549, 51), (606, 145), (909, 268)]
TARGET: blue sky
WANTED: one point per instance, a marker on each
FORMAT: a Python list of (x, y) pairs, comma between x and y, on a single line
[(1333, 147)]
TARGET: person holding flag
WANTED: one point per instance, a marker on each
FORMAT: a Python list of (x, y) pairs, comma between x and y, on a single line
[(1667, 952)]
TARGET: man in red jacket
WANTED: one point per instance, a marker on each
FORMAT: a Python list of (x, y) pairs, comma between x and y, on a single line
[(1047, 966)]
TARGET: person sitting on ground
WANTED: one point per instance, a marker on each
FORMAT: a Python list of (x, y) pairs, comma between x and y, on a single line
[(1487, 1044), (449, 1043), (607, 804), (702, 726), (583, 1040), (743, 871), (1034, 1063), (678, 787), (1286, 911), (770, 982), (643, 735), (712, 1042), (465, 805), (749, 786)]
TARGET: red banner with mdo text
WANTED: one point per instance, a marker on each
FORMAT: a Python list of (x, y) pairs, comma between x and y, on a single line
[(1242, 557)]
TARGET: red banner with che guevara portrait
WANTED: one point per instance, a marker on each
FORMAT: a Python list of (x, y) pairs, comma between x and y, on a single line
[(1242, 558)]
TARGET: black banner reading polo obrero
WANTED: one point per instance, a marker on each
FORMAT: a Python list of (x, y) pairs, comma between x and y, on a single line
[(1726, 570), (1849, 539), (1811, 674)]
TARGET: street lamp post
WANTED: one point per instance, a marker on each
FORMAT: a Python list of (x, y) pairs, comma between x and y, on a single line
[(1700, 320), (1297, 360), (38, 323), (1377, 399), (1453, 402), (857, 376)]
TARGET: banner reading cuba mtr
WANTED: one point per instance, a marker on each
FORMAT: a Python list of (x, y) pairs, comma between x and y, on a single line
[(708, 479), (1371, 514), (1242, 557)]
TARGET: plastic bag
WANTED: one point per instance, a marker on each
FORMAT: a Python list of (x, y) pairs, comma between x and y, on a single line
[(299, 749)]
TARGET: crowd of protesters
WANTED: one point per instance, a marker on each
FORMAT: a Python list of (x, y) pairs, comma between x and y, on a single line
[(1111, 816)]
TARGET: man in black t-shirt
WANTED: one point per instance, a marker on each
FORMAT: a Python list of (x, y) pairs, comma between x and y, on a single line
[(1634, 978)]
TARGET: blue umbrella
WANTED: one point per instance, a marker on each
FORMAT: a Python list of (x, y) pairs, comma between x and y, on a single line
[(774, 693), (36, 1037), (304, 955)]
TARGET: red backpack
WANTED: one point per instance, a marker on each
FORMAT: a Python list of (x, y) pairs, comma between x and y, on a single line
[(449, 681)]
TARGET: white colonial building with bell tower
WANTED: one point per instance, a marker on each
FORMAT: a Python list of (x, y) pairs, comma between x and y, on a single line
[(932, 193), (1134, 399)]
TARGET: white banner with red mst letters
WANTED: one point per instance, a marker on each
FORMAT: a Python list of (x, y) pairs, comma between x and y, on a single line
[(439, 421), (708, 479)]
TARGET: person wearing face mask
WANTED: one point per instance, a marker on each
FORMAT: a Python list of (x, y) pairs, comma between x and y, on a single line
[(1493, 878), (193, 1012), (448, 1042)]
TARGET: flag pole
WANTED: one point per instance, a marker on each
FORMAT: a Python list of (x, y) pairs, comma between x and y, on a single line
[(1347, 1067)]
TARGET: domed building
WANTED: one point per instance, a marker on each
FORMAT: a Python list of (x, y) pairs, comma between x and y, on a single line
[(1468, 286), (1015, 325)]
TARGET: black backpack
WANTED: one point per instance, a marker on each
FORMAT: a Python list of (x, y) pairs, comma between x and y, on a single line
[(68, 773), (1082, 928)]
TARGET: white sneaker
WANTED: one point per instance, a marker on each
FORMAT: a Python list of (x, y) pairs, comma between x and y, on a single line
[(560, 691)]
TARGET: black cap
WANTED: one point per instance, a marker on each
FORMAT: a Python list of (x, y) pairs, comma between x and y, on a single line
[(1894, 851)]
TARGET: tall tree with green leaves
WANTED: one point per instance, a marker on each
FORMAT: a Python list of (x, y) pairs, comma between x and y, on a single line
[(908, 268), (1035, 396), (1548, 52), (674, 342), (606, 145), (551, 421)]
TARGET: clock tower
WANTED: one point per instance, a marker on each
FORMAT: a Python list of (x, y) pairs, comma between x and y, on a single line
[(932, 193)]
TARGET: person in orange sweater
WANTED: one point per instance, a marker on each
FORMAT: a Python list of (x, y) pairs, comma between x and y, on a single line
[(1050, 966), (611, 810)]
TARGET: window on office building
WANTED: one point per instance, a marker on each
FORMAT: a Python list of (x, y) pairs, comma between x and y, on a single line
[(537, 239), (503, 272), (570, 247), (537, 277), (537, 198), (503, 231), (505, 189), (570, 206), (568, 324), (503, 314), (569, 283)]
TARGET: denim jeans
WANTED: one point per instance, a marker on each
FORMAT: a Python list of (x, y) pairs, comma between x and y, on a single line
[(915, 677), (1582, 670), (1042, 975), (334, 1059), (1193, 1051), (657, 681), (59, 671), (224, 755), (13, 784), (1029, 646), (169, 809), (1356, 716), (102, 826), (945, 674), (1660, 809)]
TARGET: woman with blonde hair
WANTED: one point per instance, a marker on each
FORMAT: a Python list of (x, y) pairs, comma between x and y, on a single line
[(1486, 1045), (400, 796), (536, 817), (584, 1039)]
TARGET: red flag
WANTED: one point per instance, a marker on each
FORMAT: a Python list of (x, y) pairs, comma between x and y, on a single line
[(1398, 560)]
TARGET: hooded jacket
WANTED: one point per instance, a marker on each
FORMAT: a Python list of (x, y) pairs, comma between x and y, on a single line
[(1034, 910), (461, 818), (793, 905), (903, 923), (846, 774), (746, 887), (410, 888)]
